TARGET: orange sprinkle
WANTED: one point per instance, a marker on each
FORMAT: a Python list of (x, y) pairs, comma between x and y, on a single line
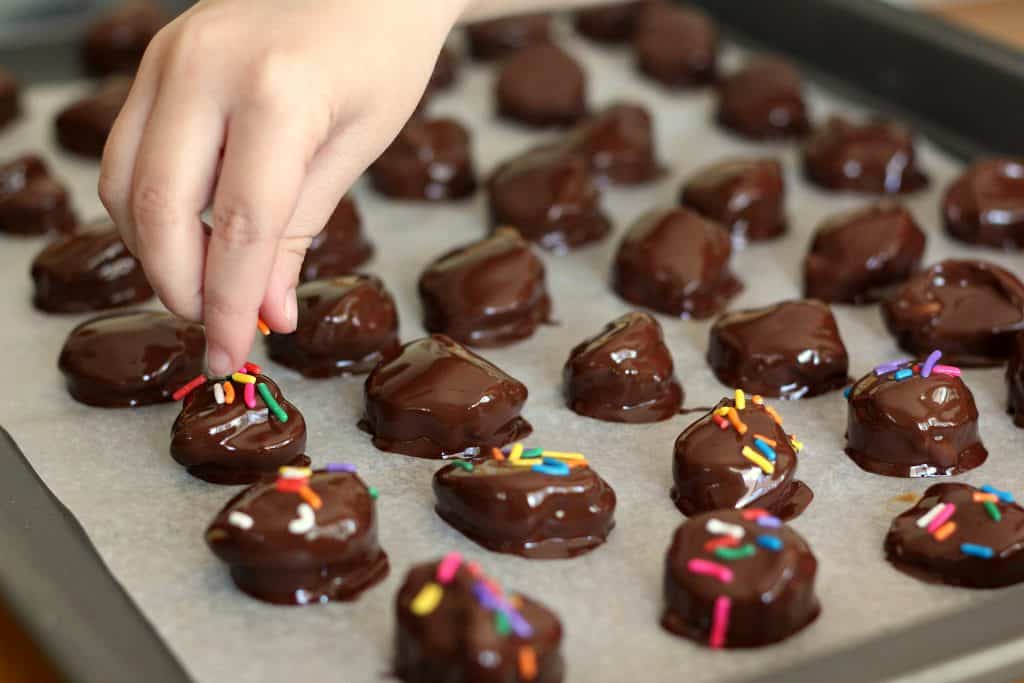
[(309, 495), (737, 423), (264, 329), (771, 442), (986, 498), (944, 531), (577, 463), (516, 601), (229, 392), (775, 415), (758, 399), (527, 663), (497, 454)]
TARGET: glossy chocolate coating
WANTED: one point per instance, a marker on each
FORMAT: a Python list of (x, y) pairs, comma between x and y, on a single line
[(914, 551), (791, 350), (499, 38), (985, 205), (131, 359), (763, 101), (430, 159), (967, 309), (1015, 381), (619, 144), (624, 373), (346, 325), (615, 23), (745, 195), (88, 271), (32, 202), (488, 293), (549, 195), (83, 126), (446, 70), (914, 427), (858, 256), (677, 262), (675, 45), (513, 509), (337, 558), (434, 398), (710, 472), (10, 98), (230, 443), (341, 246), (875, 157), (771, 593), (116, 42), (541, 85), (457, 642)]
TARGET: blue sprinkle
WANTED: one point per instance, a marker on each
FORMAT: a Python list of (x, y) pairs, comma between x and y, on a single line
[(769, 521), (847, 391), (553, 467), (903, 374), (765, 449), (975, 550), (769, 542), (339, 467), (1004, 496)]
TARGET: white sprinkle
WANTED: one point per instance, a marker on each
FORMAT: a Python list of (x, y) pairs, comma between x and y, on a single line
[(218, 393), (718, 527), (240, 519), (304, 522), (926, 519), (294, 472)]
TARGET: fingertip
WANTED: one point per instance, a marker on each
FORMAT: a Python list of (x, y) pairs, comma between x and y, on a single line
[(219, 361)]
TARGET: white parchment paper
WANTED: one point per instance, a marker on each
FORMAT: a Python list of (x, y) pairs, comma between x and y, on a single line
[(147, 517)]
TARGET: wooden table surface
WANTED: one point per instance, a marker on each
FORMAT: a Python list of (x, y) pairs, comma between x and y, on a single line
[(21, 662)]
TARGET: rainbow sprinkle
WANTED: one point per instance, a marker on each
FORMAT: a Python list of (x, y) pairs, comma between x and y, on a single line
[(758, 459), (947, 511), (902, 374), (740, 399), (464, 464), (739, 553), (243, 378), (271, 402), (975, 550), (992, 510), (189, 388), (340, 467), (769, 542), (717, 527), (944, 531), (448, 567), (527, 663), (766, 450), (929, 362), (262, 326), (1004, 496), (707, 568), (218, 393), (720, 621), (250, 396), (427, 600), (770, 521)]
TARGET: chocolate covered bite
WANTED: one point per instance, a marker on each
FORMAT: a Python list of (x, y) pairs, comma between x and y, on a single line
[(434, 398), (911, 418), (308, 538), (488, 293), (457, 624), (32, 202), (738, 456), (675, 45), (985, 205), (876, 157), (738, 579), (542, 85), (763, 101), (618, 142), (790, 350), (499, 38), (88, 271), (677, 262), (549, 195), (116, 42), (532, 502), (968, 309), (131, 359), (83, 126), (10, 98), (745, 195), (237, 430), (961, 536), (340, 247), (346, 324), (858, 256), (1015, 381), (430, 159), (624, 373), (613, 23)]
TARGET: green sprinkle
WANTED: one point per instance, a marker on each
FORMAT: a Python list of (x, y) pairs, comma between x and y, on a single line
[(273, 405), (464, 464), (374, 493), (501, 624), (736, 553), (992, 510), (533, 453)]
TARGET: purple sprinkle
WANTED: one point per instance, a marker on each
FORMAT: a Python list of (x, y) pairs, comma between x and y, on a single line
[(339, 467), (518, 624), (930, 362), (769, 521), (890, 366), (485, 596)]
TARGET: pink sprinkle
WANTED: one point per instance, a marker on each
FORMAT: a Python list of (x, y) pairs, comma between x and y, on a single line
[(250, 396), (706, 568), (942, 517), (929, 363), (947, 370), (720, 621), (448, 566)]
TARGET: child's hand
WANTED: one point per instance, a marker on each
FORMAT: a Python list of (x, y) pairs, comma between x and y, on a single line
[(269, 109)]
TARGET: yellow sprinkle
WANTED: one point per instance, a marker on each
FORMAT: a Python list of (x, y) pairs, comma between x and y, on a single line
[(243, 378), (517, 452), (741, 400), (524, 462), (758, 459), (427, 600), (723, 411), (558, 455), (798, 445)]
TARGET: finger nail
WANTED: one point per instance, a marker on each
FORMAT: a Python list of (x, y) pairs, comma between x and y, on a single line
[(291, 308), (218, 360)]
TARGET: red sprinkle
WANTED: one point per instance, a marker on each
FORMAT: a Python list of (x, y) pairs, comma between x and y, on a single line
[(291, 485), (252, 368), (722, 423), (754, 513), (721, 542), (189, 388)]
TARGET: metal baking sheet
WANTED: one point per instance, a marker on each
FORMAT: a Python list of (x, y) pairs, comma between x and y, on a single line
[(146, 517)]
